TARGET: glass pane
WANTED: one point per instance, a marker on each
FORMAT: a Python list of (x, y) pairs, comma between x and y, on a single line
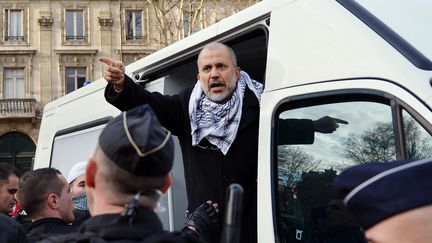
[(70, 72), (418, 141), (138, 25), (70, 84), (129, 25), (19, 89), (14, 83), (81, 72), (80, 82), (309, 161), (79, 25), (15, 24), (69, 24)]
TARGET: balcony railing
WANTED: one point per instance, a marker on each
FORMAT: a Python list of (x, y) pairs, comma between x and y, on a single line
[(75, 37), (14, 38), (17, 108)]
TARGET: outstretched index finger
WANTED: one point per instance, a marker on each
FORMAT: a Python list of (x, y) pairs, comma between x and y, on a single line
[(108, 61), (337, 120)]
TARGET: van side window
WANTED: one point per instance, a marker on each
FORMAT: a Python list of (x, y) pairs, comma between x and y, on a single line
[(417, 140), (307, 209)]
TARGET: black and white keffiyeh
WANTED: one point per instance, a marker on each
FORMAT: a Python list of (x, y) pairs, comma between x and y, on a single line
[(219, 122)]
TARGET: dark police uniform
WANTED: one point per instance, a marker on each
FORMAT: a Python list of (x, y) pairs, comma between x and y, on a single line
[(145, 227), (11, 231), (136, 143), (45, 227)]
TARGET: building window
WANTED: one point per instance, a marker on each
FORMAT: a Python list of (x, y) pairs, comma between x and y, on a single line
[(75, 25), (14, 25), (75, 78), (13, 83), (134, 25)]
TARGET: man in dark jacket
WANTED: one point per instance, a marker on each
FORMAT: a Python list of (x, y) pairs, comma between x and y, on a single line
[(125, 177), (217, 125), (11, 231), (44, 195)]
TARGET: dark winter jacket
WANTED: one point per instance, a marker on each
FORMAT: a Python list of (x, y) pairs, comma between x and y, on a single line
[(145, 226), (11, 231), (43, 228)]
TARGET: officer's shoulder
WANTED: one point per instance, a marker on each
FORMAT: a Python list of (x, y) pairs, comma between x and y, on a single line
[(169, 237), (73, 238)]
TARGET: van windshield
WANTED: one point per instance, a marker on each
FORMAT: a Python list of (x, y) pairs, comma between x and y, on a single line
[(410, 19)]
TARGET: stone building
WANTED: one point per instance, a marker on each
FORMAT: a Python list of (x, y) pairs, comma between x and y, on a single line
[(49, 48)]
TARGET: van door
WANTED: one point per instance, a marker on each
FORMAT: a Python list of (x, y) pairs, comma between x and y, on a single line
[(295, 196)]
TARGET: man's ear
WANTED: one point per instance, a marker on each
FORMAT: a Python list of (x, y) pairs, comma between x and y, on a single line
[(167, 183), (198, 77), (237, 71), (90, 173), (52, 201)]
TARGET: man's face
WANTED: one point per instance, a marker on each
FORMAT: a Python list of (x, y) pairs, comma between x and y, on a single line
[(65, 202), (217, 73), (77, 186), (8, 191)]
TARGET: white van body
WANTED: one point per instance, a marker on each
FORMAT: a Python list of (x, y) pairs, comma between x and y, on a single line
[(308, 54)]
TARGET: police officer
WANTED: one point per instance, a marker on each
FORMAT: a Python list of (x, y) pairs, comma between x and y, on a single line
[(125, 177), (392, 201)]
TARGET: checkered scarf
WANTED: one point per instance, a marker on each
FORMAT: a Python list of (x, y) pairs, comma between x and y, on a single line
[(80, 201), (219, 122)]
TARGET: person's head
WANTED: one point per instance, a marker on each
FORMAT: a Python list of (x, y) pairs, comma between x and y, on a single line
[(134, 154), (76, 178), (338, 215), (392, 201), (44, 193), (218, 71), (9, 176)]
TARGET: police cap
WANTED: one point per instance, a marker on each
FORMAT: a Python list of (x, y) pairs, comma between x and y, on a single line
[(377, 191), (137, 143)]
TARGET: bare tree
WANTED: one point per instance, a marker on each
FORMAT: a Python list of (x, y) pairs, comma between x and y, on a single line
[(418, 144), (173, 15), (292, 163), (378, 144)]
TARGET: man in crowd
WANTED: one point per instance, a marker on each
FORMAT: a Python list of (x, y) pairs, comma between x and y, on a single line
[(76, 180), (44, 195), (9, 176), (125, 177), (391, 201), (11, 231), (216, 122)]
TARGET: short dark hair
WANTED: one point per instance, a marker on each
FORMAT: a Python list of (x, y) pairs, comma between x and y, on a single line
[(34, 186), (6, 170), (121, 181)]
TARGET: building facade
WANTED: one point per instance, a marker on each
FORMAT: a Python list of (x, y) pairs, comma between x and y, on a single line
[(50, 48)]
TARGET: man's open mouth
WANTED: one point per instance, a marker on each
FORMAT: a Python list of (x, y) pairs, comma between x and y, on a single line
[(216, 84)]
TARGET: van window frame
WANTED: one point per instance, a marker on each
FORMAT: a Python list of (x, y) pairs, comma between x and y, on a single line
[(331, 97)]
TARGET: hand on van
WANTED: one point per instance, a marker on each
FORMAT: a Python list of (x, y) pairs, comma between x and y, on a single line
[(114, 74), (327, 124)]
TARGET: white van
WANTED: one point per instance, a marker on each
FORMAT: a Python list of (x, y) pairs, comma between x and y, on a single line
[(315, 58)]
